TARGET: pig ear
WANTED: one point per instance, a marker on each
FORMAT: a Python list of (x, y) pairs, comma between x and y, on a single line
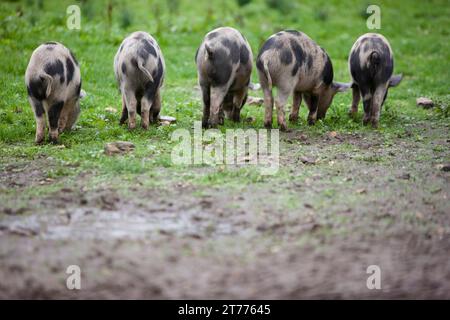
[(341, 87), (395, 80)]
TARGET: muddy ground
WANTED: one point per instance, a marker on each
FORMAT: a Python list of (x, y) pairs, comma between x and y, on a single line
[(350, 201)]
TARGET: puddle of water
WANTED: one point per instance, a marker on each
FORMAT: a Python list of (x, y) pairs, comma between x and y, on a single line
[(97, 224)]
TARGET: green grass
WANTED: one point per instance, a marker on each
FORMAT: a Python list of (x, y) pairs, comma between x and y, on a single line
[(418, 33)]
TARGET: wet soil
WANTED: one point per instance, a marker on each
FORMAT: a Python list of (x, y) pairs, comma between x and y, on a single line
[(351, 200)]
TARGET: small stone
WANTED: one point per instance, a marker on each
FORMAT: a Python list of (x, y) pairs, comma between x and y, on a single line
[(405, 176), (425, 102), (119, 147), (308, 160), (166, 120), (361, 191), (332, 134)]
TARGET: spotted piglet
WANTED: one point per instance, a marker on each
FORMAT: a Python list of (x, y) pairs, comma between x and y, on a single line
[(371, 63), (139, 68), (54, 84), (224, 65), (295, 64)]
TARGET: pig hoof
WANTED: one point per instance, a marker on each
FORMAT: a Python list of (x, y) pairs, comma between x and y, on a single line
[(375, 124), (365, 122), (39, 141), (311, 122), (145, 126), (283, 126), (268, 124), (293, 118), (131, 126)]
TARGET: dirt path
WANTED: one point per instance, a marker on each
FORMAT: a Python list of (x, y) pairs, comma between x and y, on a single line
[(350, 201)]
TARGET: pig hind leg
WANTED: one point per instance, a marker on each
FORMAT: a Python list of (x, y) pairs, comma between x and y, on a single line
[(54, 114), (124, 116), (377, 101), (280, 102), (39, 114), (268, 105), (296, 102), (156, 108), (238, 102), (217, 97), (367, 104), (206, 105), (146, 104), (66, 113), (356, 98), (131, 104), (312, 102)]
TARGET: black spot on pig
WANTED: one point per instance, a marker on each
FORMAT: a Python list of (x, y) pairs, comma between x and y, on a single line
[(121, 48), (212, 35), (78, 89), (298, 54), (146, 49), (139, 36), (234, 49), (293, 32), (134, 63), (365, 47), (50, 48), (152, 86), (220, 70), (38, 108), (51, 43), (73, 57), (37, 88), (53, 114), (286, 56), (70, 70), (327, 72), (269, 44), (355, 64), (259, 64), (244, 54), (55, 68), (309, 58), (124, 68)]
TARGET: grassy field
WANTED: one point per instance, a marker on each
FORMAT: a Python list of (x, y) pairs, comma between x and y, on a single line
[(378, 191)]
